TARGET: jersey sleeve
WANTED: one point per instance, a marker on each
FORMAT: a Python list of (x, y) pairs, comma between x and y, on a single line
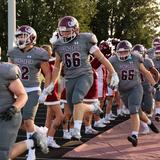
[(93, 39), (90, 40), (111, 59), (150, 63), (10, 54), (41, 54), (44, 56), (14, 72)]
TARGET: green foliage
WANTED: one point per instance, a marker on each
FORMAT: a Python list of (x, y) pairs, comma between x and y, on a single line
[(135, 20), (3, 25), (43, 16)]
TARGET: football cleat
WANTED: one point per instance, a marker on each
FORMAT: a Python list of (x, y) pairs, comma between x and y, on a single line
[(133, 139), (40, 142)]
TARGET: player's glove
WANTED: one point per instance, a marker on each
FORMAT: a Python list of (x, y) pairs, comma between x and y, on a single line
[(8, 114), (157, 86), (46, 91), (114, 81)]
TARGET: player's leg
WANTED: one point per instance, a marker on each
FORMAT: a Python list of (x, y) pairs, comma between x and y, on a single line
[(134, 105), (29, 113), (76, 91), (58, 118)]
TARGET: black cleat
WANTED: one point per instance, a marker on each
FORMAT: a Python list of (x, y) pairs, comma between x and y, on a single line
[(157, 117), (133, 139), (153, 128), (40, 142)]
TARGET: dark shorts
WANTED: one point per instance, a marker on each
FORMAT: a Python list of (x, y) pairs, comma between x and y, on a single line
[(77, 88), (30, 109), (132, 98), (8, 135), (147, 101)]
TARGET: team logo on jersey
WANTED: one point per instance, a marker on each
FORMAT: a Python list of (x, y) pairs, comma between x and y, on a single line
[(29, 56), (76, 42)]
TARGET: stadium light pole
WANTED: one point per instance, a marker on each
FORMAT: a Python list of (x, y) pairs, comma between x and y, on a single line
[(11, 22)]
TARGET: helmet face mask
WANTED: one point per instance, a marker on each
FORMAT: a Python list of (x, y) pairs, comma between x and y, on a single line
[(25, 35), (157, 52), (123, 55), (68, 29), (156, 42), (123, 50)]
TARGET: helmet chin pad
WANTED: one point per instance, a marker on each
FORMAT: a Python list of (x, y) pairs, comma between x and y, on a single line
[(124, 57), (67, 38), (23, 42)]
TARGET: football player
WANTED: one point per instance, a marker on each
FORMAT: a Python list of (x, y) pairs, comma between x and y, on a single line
[(147, 100), (129, 66), (31, 60), (10, 114), (151, 51), (73, 49)]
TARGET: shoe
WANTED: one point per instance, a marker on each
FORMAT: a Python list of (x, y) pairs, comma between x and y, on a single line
[(42, 130), (145, 131), (31, 155), (109, 118), (76, 134), (133, 139), (125, 111), (53, 144), (40, 141), (67, 135), (105, 121), (97, 109), (91, 131), (113, 116), (153, 128), (99, 124), (157, 117)]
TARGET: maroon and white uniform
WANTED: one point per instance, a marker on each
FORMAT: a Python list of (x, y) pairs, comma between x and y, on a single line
[(52, 99)]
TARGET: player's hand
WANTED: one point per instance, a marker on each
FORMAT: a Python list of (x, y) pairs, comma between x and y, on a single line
[(114, 81), (8, 114), (46, 91), (157, 86)]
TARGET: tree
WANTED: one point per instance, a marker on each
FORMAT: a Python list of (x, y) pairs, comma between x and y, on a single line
[(3, 26), (134, 20), (48, 12), (43, 16)]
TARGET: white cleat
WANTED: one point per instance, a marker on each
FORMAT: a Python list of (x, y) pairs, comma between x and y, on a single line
[(97, 109), (40, 141), (42, 130), (31, 155), (67, 135), (99, 124), (76, 134), (53, 144), (105, 121), (145, 131), (91, 131)]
